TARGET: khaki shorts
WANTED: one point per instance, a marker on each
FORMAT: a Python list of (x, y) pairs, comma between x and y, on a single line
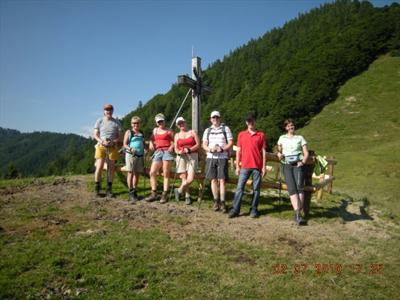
[(101, 152), (134, 164), (186, 162)]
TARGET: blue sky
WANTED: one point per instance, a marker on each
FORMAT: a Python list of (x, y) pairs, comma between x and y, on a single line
[(60, 61)]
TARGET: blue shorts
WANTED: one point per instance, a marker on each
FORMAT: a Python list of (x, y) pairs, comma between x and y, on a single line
[(161, 155)]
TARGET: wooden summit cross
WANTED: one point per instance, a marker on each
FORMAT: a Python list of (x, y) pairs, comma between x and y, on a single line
[(198, 89)]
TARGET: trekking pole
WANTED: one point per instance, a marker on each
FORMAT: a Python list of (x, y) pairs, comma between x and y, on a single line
[(280, 188), (200, 199), (108, 164)]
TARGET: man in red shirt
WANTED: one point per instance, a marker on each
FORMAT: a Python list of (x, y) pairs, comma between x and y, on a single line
[(250, 161)]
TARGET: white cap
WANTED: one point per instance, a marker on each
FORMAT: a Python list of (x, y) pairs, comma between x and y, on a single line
[(215, 114), (159, 117), (180, 119)]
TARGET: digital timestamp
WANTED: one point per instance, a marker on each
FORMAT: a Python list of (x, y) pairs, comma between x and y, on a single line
[(320, 269)]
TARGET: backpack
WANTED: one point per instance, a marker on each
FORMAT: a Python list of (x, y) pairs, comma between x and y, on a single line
[(131, 135), (230, 150), (223, 132)]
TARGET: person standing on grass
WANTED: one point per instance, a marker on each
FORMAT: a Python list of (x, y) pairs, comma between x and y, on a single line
[(217, 140), (250, 161), (186, 145), (162, 143), (293, 153), (107, 133), (134, 160)]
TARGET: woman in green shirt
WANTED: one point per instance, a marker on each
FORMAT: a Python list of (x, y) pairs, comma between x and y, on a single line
[(293, 153)]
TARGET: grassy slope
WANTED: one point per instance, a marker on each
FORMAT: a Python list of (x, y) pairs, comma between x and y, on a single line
[(361, 130)]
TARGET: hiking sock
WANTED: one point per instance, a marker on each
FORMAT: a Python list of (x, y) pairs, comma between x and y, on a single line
[(97, 187)]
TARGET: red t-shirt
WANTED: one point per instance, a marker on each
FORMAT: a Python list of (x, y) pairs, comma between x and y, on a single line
[(250, 149)]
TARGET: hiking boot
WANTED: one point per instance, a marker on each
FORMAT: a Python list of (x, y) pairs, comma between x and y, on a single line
[(233, 214), (109, 194), (177, 194), (298, 218), (133, 197), (153, 196), (216, 205), (223, 207), (164, 197), (188, 200), (254, 214)]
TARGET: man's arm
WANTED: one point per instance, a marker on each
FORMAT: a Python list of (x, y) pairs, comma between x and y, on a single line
[(264, 158), (96, 136)]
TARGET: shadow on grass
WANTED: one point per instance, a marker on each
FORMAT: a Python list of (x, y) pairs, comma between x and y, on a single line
[(275, 205)]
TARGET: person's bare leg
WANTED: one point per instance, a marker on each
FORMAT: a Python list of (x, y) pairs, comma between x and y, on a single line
[(135, 180), (182, 187), (99, 169), (129, 180), (166, 172), (294, 199), (155, 166)]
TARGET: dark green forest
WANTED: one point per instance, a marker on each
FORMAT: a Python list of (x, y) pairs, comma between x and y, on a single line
[(44, 153), (293, 71)]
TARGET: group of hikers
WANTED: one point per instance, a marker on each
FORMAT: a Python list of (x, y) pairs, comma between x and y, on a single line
[(217, 142)]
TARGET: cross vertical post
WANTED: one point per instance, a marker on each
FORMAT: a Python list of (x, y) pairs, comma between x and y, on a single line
[(198, 89), (196, 94)]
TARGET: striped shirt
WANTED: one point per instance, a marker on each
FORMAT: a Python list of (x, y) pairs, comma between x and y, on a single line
[(217, 137)]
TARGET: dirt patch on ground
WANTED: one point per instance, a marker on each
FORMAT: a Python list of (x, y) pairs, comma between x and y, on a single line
[(61, 199)]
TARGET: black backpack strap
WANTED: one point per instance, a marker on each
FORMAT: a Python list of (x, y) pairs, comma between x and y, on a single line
[(224, 132), (208, 134)]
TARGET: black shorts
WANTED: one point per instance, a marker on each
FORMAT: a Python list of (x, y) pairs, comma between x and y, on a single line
[(294, 177), (217, 168)]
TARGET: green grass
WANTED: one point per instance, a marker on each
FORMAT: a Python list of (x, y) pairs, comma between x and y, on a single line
[(122, 261), (361, 130)]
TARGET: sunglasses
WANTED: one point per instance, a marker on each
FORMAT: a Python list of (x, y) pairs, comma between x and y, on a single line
[(181, 123), (161, 121), (135, 123), (109, 109), (215, 117)]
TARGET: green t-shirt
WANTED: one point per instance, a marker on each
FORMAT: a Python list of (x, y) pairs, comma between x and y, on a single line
[(292, 145)]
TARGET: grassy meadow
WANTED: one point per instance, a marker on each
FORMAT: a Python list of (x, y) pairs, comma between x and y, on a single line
[(361, 130)]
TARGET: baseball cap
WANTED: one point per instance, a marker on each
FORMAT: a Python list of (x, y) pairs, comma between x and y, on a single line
[(159, 117), (215, 114), (250, 117), (180, 119)]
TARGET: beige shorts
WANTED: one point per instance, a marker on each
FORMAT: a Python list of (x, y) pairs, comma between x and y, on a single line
[(186, 162), (134, 164)]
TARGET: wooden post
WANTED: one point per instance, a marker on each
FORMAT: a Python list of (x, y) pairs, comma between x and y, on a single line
[(321, 190), (196, 94), (308, 171), (330, 173)]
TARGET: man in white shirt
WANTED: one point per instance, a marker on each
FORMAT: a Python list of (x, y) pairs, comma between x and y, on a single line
[(217, 141)]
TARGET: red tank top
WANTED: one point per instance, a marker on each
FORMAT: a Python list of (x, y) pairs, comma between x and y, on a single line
[(186, 143), (162, 141)]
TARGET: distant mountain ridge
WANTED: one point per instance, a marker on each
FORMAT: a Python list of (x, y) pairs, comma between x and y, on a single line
[(43, 153)]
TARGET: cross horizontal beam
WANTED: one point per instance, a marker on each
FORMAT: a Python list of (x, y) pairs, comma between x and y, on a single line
[(187, 81)]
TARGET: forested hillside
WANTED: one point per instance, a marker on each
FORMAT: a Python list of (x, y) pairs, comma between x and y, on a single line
[(43, 153), (293, 71)]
